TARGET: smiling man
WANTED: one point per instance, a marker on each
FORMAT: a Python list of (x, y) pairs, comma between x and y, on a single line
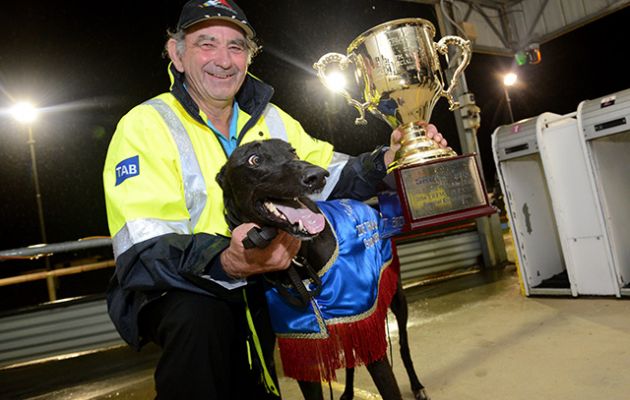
[(214, 59), (182, 279)]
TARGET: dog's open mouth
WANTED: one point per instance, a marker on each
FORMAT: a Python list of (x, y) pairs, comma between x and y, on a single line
[(303, 220)]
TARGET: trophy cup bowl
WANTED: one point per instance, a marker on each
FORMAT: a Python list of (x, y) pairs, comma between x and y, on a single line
[(398, 72)]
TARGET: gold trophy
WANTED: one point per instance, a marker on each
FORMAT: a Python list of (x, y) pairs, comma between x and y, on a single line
[(398, 71)]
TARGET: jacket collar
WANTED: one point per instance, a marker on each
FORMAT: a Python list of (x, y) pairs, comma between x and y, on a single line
[(252, 98)]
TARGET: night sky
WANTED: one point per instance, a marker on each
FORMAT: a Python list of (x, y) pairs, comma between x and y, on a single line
[(87, 63)]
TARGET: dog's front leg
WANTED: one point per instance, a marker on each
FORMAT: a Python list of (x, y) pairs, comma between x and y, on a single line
[(384, 379), (311, 390), (348, 392), (400, 309)]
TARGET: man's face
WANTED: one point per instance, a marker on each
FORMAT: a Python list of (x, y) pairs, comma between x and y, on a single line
[(215, 61)]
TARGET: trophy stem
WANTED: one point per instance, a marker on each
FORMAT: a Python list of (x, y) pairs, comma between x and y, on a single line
[(417, 148)]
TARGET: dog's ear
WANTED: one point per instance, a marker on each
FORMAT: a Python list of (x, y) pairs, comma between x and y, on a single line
[(224, 184), (221, 177), (230, 216)]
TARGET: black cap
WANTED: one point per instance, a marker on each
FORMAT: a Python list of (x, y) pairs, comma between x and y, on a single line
[(196, 11)]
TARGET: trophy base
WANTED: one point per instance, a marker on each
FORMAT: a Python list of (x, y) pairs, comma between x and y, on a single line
[(421, 158), (417, 148), (434, 193)]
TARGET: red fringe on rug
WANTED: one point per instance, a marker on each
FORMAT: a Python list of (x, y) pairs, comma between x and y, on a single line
[(348, 345)]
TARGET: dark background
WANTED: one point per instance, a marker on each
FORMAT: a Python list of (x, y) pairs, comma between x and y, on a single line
[(87, 63)]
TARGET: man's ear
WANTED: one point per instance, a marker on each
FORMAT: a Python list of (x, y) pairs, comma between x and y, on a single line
[(171, 46)]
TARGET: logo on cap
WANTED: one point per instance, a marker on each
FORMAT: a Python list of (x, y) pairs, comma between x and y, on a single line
[(219, 3)]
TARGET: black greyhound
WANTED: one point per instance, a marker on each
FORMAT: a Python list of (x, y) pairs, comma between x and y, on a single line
[(265, 183)]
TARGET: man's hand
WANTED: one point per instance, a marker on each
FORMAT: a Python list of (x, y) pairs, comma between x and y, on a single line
[(397, 135), (239, 262), (432, 133)]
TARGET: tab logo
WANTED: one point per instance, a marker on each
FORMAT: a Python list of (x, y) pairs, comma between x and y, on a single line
[(127, 168)]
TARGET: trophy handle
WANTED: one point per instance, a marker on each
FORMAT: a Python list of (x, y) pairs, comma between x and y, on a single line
[(342, 61), (442, 47)]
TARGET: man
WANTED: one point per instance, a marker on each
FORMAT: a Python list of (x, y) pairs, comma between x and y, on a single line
[(180, 280)]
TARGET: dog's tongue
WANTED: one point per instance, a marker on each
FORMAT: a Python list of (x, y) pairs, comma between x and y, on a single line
[(311, 221)]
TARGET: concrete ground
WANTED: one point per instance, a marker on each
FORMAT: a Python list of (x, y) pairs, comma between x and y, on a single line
[(478, 338), (475, 337)]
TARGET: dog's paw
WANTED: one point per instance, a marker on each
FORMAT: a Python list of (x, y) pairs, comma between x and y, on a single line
[(421, 395)]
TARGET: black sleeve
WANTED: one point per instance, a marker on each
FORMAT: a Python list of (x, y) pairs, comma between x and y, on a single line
[(361, 176), (175, 261)]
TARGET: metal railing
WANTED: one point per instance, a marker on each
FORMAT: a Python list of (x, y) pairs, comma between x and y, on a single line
[(64, 328), (47, 250)]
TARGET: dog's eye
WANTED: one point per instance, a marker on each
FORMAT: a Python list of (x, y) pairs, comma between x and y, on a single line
[(254, 160)]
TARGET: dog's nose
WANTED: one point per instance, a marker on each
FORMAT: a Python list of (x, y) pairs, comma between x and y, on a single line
[(314, 177)]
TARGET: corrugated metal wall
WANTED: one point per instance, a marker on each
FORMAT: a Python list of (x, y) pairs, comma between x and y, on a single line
[(55, 331), (430, 257)]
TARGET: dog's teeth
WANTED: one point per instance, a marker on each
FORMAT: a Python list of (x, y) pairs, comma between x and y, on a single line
[(271, 208), (300, 225), (274, 210)]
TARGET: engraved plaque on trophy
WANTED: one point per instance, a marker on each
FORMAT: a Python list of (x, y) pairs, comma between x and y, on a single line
[(397, 68)]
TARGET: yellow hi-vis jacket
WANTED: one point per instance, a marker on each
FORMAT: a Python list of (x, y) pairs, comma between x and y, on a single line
[(164, 207), (159, 179)]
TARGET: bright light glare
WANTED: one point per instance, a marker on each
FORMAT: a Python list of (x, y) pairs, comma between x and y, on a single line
[(336, 81), (24, 112), (509, 79)]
